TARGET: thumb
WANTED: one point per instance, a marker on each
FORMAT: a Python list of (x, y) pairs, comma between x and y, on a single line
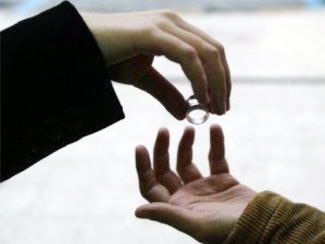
[(167, 94), (172, 215)]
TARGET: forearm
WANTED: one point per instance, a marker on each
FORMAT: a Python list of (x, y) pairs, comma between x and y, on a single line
[(54, 87), (270, 218)]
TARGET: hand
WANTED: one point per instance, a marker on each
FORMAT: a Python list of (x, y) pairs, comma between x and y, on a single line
[(129, 42), (206, 208)]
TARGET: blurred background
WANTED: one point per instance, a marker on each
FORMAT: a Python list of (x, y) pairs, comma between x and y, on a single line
[(275, 132)]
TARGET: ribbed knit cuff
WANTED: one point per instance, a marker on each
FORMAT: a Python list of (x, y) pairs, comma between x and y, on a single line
[(271, 218), (255, 220)]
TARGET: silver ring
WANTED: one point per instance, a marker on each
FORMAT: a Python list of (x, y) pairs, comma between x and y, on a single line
[(196, 113)]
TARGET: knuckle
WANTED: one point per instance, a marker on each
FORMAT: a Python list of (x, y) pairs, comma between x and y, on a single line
[(162, 23), (211, 51), (221, 48), (149, 31), (190, 53), (169, 13)]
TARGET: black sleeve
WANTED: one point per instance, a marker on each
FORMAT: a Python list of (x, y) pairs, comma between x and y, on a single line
[(54, 87)]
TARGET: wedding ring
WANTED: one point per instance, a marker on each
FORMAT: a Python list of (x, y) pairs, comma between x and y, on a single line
[(196, 113)]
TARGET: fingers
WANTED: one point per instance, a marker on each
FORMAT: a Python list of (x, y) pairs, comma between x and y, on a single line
[(161, 163), (156, 85), (179, 218), (156, 185), (149, 186), (207, 38), (185, 168), (218, 163), (160, 42), (214, 68), (201, 57)]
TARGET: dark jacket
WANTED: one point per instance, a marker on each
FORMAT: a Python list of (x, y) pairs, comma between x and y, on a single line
[(55, 88)]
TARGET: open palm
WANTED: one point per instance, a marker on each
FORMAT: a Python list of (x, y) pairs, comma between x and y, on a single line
[(205, 208)]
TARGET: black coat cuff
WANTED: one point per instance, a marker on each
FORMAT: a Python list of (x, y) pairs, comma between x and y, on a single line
[(54, 87)]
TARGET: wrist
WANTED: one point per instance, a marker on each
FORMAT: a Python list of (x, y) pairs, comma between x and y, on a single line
[(93, 21)]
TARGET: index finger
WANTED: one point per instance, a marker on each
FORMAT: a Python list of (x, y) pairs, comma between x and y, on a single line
[(167, 94), (149, 186), (181, 52), (161, 163)]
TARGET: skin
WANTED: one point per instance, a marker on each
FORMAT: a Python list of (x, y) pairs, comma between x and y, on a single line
[(129, 42), (206, 208)]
